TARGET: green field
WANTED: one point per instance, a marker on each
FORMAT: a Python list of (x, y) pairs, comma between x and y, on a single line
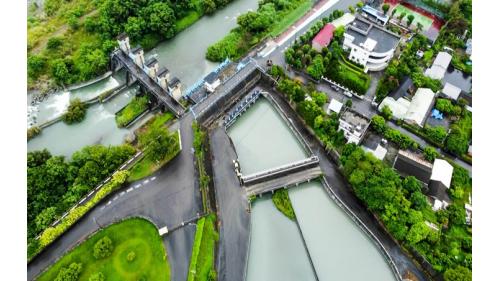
[(290, 18), (132, 235), (133, 109), (425, 21), (202, 257)]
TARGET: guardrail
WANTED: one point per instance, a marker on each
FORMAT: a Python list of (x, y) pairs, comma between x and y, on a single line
[(364, 228), (240, 108), (273, 171)]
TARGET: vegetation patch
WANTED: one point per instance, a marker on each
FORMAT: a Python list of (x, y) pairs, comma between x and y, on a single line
[(136, 236), (291, 18), (200, 149), (202, 266), (134, 108), (33, 132), (282, 202), (75, 112)]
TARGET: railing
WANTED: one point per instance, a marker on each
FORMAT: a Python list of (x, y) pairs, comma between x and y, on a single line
[(280, 169), (240, 108), (364, 228)]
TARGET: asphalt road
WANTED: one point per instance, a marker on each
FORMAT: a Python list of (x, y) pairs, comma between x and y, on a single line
[(167, 198), (232, 210)]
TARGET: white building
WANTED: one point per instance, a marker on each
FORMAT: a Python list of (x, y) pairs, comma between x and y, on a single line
[(370, 45), (151, 67), (439, 66), (440, 182), (451, 91), (344, 20), (414, 111), (353, 125), (137, 55), (334, 106), (212, 81), (174, 88)]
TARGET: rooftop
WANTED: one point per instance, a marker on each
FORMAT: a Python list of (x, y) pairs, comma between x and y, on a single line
[(174, 82), (151, 61), (439, 66), (362, 30), (355, 119), (163, 71), (136, 49), (420, 106), (411, 164), (442, 172), (325, 35), (375, 13), (211, 77), (344, 20), (122, 36), (335, 106), (451, 91)]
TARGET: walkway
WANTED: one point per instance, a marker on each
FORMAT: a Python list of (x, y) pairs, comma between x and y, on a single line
[(232, 208)]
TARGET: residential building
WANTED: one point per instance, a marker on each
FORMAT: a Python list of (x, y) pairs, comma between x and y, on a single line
[(323, 38), (440, 182), (334, 106), (375, 145), (439, 66), (412, 164), (414, 111), (354, 125), (451, 91), (370, 45)]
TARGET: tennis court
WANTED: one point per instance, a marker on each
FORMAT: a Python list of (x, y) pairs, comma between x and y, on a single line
[(425, 21)]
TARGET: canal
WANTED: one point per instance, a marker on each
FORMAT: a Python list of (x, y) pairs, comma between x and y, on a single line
[(184, 56), (338, 248)]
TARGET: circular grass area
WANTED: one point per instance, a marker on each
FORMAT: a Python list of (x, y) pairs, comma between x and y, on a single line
[(136, 236)]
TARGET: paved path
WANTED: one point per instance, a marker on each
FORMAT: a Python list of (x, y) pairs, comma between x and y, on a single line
[(232, 210), (168, 197)]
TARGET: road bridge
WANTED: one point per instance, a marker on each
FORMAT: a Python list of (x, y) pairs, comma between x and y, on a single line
[(280, 171), (120, 59)]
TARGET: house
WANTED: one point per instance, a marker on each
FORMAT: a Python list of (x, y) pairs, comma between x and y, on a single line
[(451, 91), (370, 45), (354, 125), (414, 111), (439, 66), (323, 38), (212, 81), (412, 164), (334, 106), (375, 145), (439, 183), (374, 15)]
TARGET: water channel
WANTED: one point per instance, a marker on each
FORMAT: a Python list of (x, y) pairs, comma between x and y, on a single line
[(184, 56), (339, 249)]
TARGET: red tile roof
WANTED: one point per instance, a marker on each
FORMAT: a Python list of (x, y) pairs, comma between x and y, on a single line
[(325, 35)]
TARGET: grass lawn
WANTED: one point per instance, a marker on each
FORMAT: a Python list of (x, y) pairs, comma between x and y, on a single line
[(425, 21), (146, 166), (202, 257), (133, 109), (132, 235), (290, 18), (282, 202)]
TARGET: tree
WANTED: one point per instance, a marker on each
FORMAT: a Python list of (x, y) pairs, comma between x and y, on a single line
[(456, 214), (420, 27), (316, 69), (386, 112), (159, 143), (36, 65), (417, 233), (319, 98), (98, 276), (436, 133), (103, 248), (430, 153), (159, 17), (75, 112), (360, 4), (386, 8), (401, 16), (458, 273), (410, 19), (60, 71), (209, 6), (70, 273), (54, 43), (351, 9), (411, 185), (378, 123), (135, 27), (348, 103), (393, 12), (418, 200), (45, 218)]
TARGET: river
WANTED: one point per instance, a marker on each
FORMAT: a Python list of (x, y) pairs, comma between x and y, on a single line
[(338, 248), (183, 55)]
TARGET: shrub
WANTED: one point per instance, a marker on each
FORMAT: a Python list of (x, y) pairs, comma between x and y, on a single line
[(54, 43), (437, 133), (33, 132), (76, 111), (36, 65), (225, 48), (70, 273), (98, 276), (103, 248), (378, 123), (131, 256), (386, 112), (282, 202), (430, 153)]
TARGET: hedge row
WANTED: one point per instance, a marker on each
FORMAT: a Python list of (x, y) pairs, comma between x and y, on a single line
[(52, 233)]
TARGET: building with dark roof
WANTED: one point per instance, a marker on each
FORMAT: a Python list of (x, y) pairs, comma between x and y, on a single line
[(411, 164), (212, 81), (370, 45)]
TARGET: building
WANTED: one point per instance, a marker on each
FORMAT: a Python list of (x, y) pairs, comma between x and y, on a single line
[(370, 45), (420, 106), (334, 106), (212, 81), (439, 183), (468, 49), (151, 67), (137, 55), (323, 38), (414, 111), (439, 66), (354, 125), (375, 145), (374, 15), (124, 43), (411, 164), (174, 88), (451, 91), (163, 78)]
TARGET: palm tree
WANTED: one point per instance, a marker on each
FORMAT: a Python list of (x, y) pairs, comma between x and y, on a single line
[(410, 19), (401, 16), (419, 27)]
